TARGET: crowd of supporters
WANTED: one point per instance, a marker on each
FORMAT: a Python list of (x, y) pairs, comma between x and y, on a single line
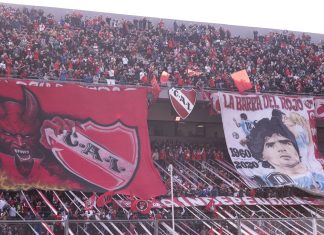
[(75, 47)]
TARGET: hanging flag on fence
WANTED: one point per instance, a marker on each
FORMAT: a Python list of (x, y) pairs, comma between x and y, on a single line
[(264, 132), (75, 139), (241, 80), (183, 101)]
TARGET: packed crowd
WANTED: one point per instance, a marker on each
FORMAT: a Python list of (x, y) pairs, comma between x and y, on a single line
[(77, 48), (37, 45)]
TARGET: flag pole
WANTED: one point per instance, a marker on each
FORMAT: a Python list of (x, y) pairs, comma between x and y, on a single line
[(171, 173)]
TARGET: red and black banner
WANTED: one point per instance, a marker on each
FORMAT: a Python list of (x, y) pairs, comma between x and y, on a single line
[(67, 137)]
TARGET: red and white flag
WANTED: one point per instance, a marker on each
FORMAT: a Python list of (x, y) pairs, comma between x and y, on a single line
[(183, 101), (241, 80)]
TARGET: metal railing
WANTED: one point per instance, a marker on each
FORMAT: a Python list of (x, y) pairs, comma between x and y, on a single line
[(238, 226), (134, 83)]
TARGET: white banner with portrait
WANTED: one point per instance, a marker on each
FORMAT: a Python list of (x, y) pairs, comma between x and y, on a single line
[(272, 139)]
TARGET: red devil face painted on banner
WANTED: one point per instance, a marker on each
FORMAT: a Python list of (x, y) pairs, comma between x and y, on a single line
[(93, 147), (183, 101), (19, 126), (75, 138)]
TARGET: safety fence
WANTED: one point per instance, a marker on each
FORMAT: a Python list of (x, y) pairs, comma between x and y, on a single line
[(246, 226), (39, 81)]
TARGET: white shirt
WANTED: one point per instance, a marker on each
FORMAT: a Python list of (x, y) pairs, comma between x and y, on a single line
[(2, 203), (2, 65), (12, 211), (141, 75), (111, 73), (108, 216), (125, 61)]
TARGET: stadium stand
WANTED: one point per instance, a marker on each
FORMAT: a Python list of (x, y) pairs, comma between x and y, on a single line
[(78, 48), (100, 50)]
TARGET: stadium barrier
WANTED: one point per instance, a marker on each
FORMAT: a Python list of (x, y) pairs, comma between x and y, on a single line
[(240, 226), (32, 226), (137, 84)]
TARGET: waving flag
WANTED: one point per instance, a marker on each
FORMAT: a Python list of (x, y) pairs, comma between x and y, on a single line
[(241, 80)]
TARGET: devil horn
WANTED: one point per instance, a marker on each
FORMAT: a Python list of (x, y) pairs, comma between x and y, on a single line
[(31, 106)]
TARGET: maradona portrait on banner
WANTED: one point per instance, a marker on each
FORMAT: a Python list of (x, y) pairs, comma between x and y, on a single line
[(270, 141), (275, 146)]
